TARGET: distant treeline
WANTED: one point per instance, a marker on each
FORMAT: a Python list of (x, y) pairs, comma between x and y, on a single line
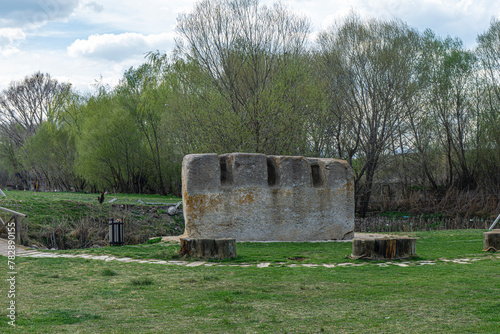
[(401, 106)]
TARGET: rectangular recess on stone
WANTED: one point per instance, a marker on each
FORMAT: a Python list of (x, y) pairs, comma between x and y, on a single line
[(317, 177), (272, 172), (225, 171)]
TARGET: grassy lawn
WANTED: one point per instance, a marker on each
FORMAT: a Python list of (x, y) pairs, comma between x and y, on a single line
[(68, 220), (65, 295), (18, 197), (46, 207), (431, 245), (73, 295)]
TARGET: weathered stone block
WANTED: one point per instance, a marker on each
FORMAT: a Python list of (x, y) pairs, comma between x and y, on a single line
[(254, 197), (198, 172)]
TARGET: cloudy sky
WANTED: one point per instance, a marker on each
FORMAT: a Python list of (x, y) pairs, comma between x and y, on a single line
[(85, 41)]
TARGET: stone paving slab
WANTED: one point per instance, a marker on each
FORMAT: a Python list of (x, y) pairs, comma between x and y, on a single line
[(22, 251)]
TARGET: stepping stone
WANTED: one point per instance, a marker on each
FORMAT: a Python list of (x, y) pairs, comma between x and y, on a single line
[(195, 264), (177, 263), (345, 264), (382, 264), (426, 262), (401, 264)]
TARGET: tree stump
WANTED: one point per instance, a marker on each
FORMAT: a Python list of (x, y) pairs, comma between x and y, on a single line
[(383, 248), (208, 248), (491, 241)]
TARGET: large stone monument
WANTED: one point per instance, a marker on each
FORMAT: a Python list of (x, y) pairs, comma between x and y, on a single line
[(254, 197)]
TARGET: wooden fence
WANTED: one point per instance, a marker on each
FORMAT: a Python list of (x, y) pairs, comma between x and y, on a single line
[(16, 217)]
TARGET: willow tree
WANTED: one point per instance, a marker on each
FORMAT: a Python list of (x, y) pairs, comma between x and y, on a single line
[(370, 71), (110, 152), (248, 55), (138, 93)]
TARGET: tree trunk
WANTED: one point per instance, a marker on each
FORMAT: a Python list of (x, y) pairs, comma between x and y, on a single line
[(208, 248), (491, 241), (383, 248), (367, 192)]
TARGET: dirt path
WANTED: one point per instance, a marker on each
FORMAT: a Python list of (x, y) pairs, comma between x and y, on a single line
[(33, 253)]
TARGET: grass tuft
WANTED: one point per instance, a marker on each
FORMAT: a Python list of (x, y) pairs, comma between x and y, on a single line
[(108, 272), (141, 281), (154, 241), (210, 278)]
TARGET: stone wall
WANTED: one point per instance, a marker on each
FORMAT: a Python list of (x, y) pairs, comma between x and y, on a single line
[(254, 197)]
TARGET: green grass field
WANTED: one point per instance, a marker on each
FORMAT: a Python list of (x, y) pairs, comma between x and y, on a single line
[(432, 245), (29, 196), (74, 295), (68, 220), (66, 295)]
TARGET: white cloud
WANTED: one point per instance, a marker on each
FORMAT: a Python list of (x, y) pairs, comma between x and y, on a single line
[(119, 47), (9, 35), (457, 18), (147, 17), (8, 39), (82, 73), (41, 35), (94, 6), (34, 13)]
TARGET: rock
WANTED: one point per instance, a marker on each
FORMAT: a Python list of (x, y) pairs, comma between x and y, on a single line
[(174, 209)]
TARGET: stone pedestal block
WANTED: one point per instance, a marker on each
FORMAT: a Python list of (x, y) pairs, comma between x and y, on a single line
[(254, 197)]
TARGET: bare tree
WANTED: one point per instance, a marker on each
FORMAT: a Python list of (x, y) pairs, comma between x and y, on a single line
[(249, 52), (488, 52), (25, 105), (450, 102), (372, 65)]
